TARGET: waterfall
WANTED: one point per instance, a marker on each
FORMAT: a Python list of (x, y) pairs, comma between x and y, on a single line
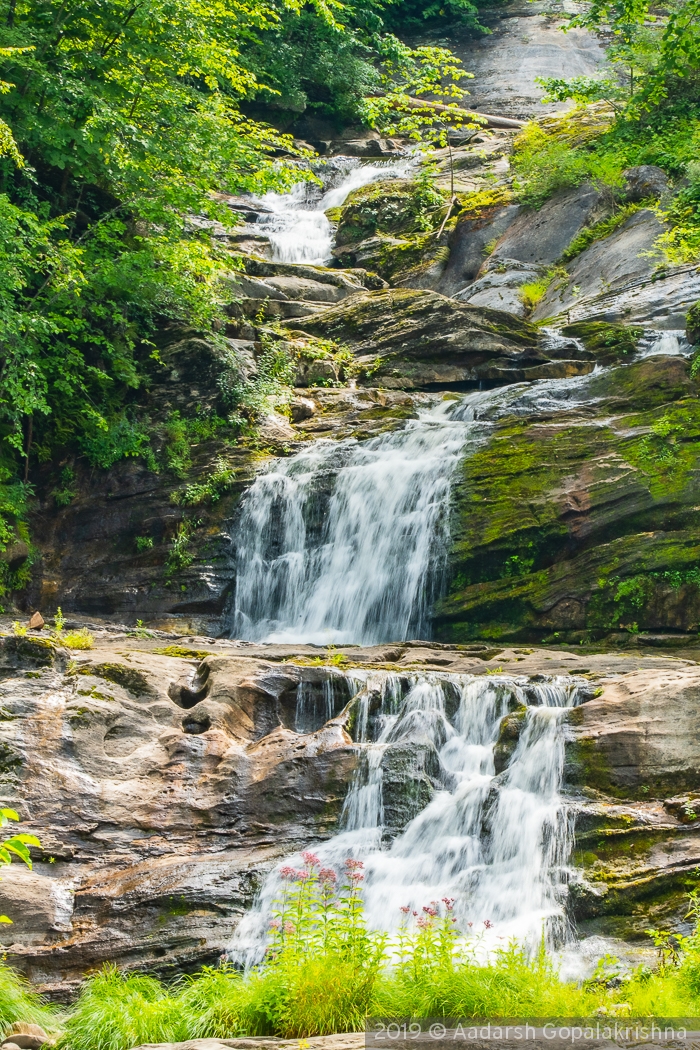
[(671, 343), (497, 843), (344, 542), (296, 223)]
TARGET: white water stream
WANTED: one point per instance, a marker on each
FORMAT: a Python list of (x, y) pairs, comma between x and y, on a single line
[(296, 223), (346, 541), (498, 845)]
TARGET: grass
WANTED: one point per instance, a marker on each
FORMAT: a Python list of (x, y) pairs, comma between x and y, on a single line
[(19, 1003), (325, 973), (81, 639)]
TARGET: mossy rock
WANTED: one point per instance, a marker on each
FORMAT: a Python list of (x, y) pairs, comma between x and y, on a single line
[(392, 206), (692, 324), (508, 736), (26, 650), (609, 342), (574, 524), (127, 677)]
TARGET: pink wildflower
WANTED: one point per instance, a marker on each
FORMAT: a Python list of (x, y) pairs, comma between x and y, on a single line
[(429, 911), (422, 923), (289, 927), (487, 924), (405, 909), (301, 875), (448, 902), (470, 924), (353, 865), (327, 875), (287, 872), (310, 859)]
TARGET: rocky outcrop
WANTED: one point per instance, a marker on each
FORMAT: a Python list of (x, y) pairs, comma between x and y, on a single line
[(582, 520), (633, 751), (166, 775), (410, 339)]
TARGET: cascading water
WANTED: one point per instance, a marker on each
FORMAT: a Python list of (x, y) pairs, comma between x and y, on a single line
[(296, 223), (343, 542), (498, 844)]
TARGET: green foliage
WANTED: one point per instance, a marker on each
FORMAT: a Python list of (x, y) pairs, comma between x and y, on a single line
[(19, 1003), (80, 639), (599, 231), (181, 435), (210, 490), (114, 1012), (143, 543), (180, 556), (534, 292), (545, 162), (15, 846), (119, 439), (409, 75), (65, 493), (251, 396)]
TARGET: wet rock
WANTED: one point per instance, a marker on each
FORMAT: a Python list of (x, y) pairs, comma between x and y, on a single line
[(161, 821), (639, 737), (644, 182), (411, 339), (302, 408), (508, 737), (276, 429), (552, 520)]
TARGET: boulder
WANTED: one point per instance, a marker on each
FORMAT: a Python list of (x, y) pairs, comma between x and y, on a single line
[(540, 237), (604, 276), (500, 288), (303, 408), (645, 182), (36, 622), (468, 245), (26, 1036)]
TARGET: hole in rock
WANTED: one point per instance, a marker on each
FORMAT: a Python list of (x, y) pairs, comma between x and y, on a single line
[(189, 691), (196, 724)]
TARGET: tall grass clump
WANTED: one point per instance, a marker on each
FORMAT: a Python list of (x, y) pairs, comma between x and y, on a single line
[(115, 1011), (19, 1003)]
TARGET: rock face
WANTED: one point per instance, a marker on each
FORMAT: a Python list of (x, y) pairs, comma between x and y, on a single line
[(634, 750), (417, 339), (165, 776), (582, 519)]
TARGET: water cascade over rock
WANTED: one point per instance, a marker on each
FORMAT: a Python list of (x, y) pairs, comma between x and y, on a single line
[(479, 762)]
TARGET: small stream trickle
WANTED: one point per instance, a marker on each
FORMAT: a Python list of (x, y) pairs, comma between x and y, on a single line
[(498, 844)]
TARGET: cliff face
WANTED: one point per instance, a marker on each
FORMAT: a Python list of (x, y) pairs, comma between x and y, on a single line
[(166, 775)]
